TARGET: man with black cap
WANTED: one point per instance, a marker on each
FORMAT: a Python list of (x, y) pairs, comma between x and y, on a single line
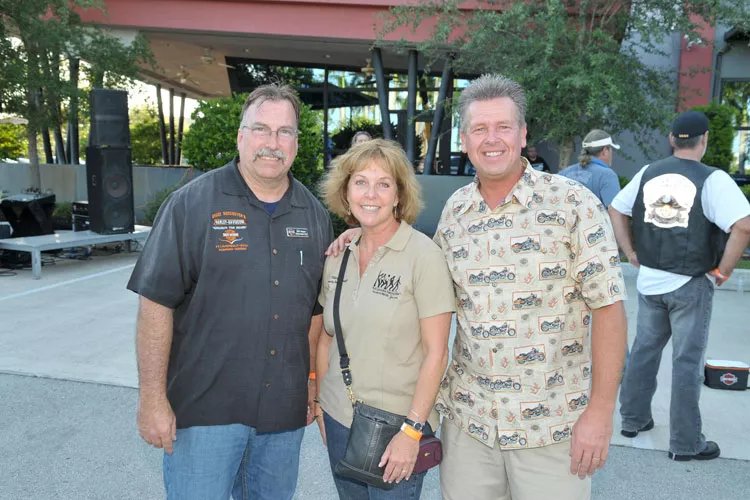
[(682, 212)]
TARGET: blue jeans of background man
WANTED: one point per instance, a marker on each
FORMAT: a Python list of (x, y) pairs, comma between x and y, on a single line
[(212, 462), (684, 315), (336, 437)]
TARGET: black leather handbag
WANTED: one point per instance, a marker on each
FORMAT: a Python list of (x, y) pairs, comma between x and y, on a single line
[(372, 428)]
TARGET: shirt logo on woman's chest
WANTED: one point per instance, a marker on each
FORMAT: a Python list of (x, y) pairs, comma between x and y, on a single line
[(387, 285)]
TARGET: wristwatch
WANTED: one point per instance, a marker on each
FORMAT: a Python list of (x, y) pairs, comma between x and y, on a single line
[(416, 425)]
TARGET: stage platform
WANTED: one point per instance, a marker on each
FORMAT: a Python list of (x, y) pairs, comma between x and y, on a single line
[(66, 239)]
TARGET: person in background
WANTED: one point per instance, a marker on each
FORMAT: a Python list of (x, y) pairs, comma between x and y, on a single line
[(536, 161), (593, 167), (681, 211), (395, 311), (361, 136), (227, 321)]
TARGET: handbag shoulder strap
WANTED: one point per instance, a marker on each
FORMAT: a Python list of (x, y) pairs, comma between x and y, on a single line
[(346, 372)]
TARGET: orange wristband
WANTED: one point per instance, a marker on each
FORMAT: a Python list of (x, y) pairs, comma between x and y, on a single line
[(312, 376), (718, 273), (411, 431)]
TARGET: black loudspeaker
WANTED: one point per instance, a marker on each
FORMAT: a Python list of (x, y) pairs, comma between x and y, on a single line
[(29, 214), (109, 118), (109, 178)]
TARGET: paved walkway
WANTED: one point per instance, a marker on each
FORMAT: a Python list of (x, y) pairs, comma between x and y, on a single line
[(68, 378)]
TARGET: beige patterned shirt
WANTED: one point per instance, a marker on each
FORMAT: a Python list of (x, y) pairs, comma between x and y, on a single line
[(526, 276)]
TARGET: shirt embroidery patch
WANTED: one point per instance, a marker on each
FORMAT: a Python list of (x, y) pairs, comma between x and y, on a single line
[(230, 227), (387, 285), (297, 232)]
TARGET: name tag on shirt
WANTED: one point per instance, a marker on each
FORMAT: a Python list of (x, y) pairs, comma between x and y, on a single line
[(297, 232)]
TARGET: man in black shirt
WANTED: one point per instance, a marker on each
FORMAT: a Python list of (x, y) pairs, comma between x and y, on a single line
[(537, 162), (228, 320)]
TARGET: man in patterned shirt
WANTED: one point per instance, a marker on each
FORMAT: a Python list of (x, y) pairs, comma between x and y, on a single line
[(529, 395)]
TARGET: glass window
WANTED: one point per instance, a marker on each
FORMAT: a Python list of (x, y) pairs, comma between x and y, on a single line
[(737, 95)]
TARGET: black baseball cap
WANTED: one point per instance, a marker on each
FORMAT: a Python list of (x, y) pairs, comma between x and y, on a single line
[(690, 124)]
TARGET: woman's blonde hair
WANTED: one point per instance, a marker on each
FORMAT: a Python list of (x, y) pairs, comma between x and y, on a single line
[(391, 158)]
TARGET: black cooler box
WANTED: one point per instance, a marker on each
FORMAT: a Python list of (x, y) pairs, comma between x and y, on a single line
[(729, 375)]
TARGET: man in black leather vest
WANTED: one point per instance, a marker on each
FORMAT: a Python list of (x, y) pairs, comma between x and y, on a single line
[(691, 224)]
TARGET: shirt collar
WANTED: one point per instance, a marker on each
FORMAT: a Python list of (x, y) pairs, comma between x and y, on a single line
[(234, 185), (522, 192), (599, 162), (397, 242)]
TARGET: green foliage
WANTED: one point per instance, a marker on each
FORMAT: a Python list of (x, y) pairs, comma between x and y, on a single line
[(339, 224), (144, 136), (721, 126), (38, 40), (342, 139), (153, 205), (623, 181), (212, 139), (63, 209), (746, 191), (569, 57), (12, 141), (252, 75)]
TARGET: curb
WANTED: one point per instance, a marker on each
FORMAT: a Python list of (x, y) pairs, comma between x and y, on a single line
[(738, 282)]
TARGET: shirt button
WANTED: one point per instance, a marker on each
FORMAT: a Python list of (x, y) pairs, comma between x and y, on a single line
[(273, 352), (268, 384), (275, 251), (276, 282), (275, 316)]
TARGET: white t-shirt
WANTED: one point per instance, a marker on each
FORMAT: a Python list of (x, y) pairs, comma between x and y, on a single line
[(723, 204)]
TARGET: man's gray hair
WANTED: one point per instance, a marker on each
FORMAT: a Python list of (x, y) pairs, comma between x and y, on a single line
[(271, 92), (589, 153), (689, 143), (488, 87)]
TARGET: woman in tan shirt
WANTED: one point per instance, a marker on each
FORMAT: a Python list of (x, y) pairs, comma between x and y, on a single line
[(395, 310)]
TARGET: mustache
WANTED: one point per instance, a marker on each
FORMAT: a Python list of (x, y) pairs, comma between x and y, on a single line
[(269, 152)]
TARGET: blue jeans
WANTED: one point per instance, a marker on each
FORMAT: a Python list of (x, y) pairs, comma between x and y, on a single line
[(684, 315), (209, 463), (349, 489)]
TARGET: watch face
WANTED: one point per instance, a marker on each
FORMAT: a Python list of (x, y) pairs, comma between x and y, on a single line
[(417, 426)]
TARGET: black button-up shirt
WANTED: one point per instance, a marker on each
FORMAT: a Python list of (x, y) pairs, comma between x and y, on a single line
[(243, 285)]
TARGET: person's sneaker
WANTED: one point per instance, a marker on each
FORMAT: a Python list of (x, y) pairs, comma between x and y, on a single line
[(712, 451), (632, 434)]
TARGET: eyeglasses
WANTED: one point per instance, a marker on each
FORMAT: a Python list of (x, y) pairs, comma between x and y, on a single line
[(282, 133)]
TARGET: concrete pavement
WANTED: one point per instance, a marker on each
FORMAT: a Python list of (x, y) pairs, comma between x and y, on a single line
[(65, 439)]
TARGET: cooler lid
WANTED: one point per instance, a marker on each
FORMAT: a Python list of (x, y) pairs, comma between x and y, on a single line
[(726, 364)]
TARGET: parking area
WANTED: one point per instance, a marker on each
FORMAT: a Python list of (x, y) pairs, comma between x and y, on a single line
[(68, 390)]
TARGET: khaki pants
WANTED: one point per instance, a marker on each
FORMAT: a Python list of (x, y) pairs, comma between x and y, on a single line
[(473, 470)]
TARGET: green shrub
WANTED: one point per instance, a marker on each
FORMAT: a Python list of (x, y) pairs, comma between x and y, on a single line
[(342, 139), (153, 205), (63, 209), (211, 141), (746, 191), (623, 181), (12, 141), (721, 135)]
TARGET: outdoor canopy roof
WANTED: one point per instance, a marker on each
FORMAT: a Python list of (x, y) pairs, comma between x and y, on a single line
[(312, 95)]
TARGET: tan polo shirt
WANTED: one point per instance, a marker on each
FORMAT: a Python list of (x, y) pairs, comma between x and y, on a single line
[(527, 276), (406, 280)]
